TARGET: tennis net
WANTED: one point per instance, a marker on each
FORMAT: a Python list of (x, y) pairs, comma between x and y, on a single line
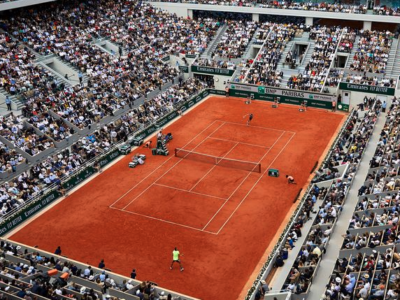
[(220, 161)]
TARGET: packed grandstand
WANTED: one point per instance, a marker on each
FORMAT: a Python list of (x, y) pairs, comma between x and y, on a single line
[(80, 79)]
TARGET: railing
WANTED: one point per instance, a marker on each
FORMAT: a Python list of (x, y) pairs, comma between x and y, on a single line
[(335, 142), (333, 60), (51, 193), (25, 251), (259, 51), (90, 162), (268, 265)]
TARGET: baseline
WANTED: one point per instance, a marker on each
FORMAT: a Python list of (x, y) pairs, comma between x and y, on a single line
[(162, 220)]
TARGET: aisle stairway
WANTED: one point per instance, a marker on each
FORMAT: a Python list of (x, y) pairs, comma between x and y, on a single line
[(393, 64), (301, 65), (308, 55), (288, 47), (336, 240), (247, 52), (214, 42), (287, 73), (353, 51), (76, 69)]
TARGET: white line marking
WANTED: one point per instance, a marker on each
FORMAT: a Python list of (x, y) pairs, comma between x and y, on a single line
[(253, 145), (258, 180), (244, 179), (226, 200), (165, 221), (183, 190), (259, 163), (161, 165), (209, 171), (166, 172), (252, 126)]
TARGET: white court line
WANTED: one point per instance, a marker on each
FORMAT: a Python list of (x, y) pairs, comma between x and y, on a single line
[(161, 165), (258, 162), (244, 179), (251, 126), (166, 172), (162, 220), (258, 180), (183, 190), (253, 145), (209, 171)]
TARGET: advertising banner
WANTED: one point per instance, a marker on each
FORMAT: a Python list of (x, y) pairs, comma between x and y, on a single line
[(28, 211), (381, 90), (212, 71), (282, 92)]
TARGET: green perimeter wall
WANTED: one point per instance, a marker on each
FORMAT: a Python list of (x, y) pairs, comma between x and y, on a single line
[(37, 205), (283, 99)]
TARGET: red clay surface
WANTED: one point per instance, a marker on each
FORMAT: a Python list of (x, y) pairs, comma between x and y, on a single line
[(221, 219)]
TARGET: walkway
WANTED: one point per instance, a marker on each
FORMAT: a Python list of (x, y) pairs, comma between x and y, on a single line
[(335, 243)]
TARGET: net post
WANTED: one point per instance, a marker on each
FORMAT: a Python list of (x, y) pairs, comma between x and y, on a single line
[(175, 152)]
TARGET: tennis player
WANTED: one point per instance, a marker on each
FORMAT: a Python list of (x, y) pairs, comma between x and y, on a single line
[(175, 258), (303, 106), (290, 179), (227, 90), (250, 118), (249, 99), (148, 144)]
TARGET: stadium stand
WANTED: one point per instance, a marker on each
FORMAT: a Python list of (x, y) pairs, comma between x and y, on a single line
[(221, 64), (330, 197), (9, 158), (316, 71), (351, 143), (346, 43), (55, 169), (386, 10), (23, 136), (325, 7), (235, 39), (264, 68), (372, 52), (368, 262), (27, 272)]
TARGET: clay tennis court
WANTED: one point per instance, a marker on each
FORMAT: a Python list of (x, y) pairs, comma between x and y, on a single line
[(221, 213)]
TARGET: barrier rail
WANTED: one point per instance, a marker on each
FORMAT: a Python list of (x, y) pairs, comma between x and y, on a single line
[(285, 96), (22, 213), (268, 265), (36, 204)]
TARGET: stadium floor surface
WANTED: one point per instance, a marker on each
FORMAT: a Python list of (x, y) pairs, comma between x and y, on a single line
[(222, 219)]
